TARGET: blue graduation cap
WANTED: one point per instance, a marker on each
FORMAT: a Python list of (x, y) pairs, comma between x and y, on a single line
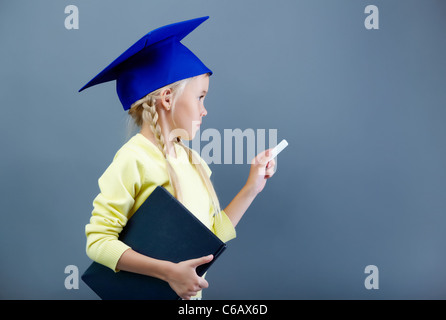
[(154, 61)]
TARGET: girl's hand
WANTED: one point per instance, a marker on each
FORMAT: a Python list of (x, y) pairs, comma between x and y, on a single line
[(183, 278), (262, 168)]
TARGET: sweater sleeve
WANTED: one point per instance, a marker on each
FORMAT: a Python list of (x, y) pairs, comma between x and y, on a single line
[(223, 227), (118, 186)]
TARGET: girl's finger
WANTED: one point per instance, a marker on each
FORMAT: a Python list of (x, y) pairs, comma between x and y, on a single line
[(271, 164), (199, 261), (203, 283), (267, 154), (262, 157), (269, 173), (192, 294)]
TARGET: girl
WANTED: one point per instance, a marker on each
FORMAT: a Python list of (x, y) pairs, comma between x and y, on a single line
[(163, 86)]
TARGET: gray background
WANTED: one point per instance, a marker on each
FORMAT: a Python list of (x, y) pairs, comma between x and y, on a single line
[(362, 182)]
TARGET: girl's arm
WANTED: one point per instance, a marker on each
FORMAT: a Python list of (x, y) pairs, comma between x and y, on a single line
[(181, 276), (262, 168)]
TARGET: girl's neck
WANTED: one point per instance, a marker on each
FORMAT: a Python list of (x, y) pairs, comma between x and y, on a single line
[(146, 131)]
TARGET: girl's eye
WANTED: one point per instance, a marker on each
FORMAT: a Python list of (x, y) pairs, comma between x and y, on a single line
[(201, 98)]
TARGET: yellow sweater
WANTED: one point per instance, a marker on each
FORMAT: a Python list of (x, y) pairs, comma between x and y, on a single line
[(137, 169)]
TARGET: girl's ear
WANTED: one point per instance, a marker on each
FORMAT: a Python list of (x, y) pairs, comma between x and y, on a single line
[(166, 98)]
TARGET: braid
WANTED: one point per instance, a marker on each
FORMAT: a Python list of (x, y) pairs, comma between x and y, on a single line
[(151, 116), (145, 110)]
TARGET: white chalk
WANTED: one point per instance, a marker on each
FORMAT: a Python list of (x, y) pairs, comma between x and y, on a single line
[(279, 148)]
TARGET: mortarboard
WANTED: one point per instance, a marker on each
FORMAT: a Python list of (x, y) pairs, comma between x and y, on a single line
[(154, 61)]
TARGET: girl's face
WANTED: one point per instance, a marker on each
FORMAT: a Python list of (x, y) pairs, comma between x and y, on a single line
[(189, 108)]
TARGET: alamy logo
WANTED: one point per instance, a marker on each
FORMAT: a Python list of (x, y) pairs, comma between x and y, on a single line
[(72, 280), (72, 20), (372, 280), (372, 20), (234, 147)]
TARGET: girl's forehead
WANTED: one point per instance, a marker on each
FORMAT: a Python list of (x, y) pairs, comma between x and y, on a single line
[(199, 83)]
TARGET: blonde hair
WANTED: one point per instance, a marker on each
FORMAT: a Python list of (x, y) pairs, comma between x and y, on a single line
[(144, 110)]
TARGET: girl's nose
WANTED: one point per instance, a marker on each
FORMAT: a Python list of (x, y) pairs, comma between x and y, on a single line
[(204, 112)]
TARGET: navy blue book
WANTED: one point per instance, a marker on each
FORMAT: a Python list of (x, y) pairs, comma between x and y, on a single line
[(162, 228)]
